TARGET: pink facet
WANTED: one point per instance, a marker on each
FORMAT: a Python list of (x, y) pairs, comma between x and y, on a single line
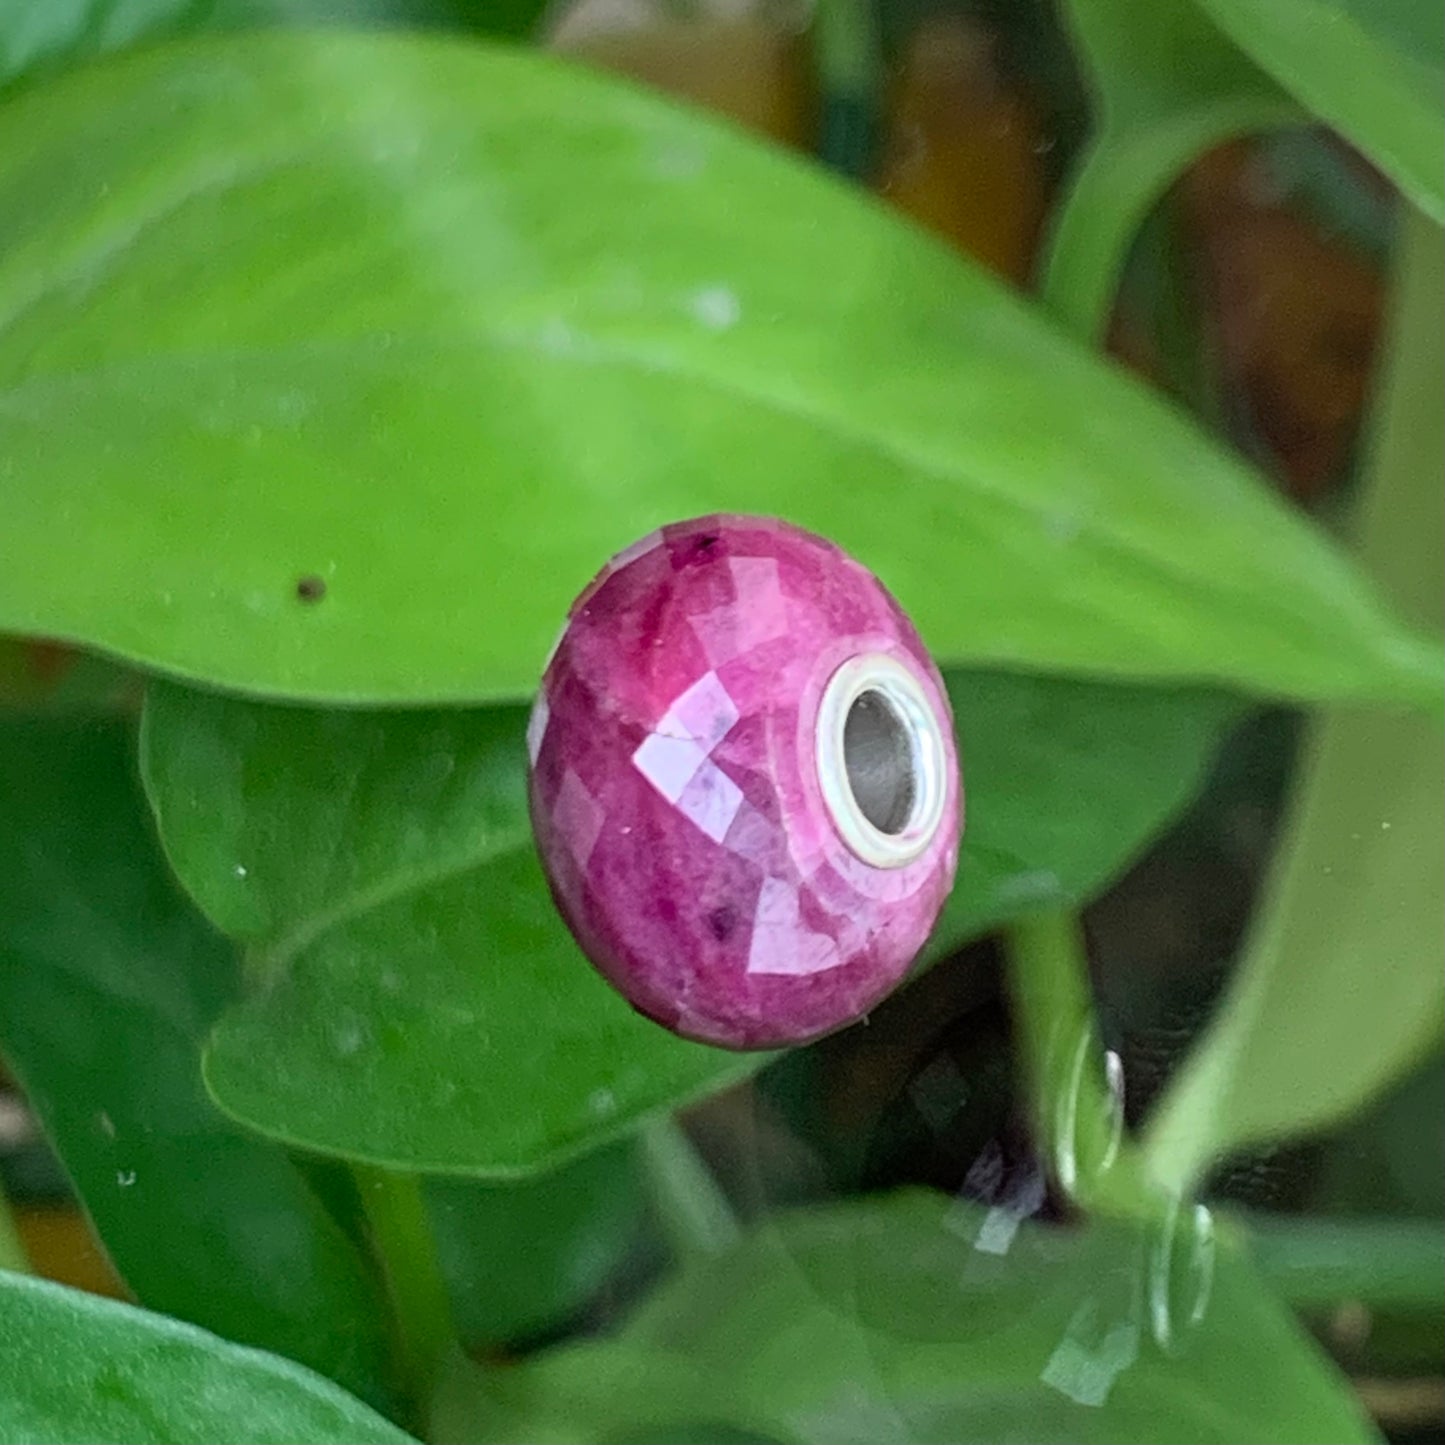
[(676, 791)]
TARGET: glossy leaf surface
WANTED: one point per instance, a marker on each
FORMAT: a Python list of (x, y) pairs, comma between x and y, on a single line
[(109, 979), (414, 995), (78, 1370), (916, 1317), (293, 362)]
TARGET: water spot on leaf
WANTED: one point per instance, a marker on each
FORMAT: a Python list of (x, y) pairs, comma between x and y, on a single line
[(716, 307)]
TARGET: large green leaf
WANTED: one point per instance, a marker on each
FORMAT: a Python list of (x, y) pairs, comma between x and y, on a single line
[(41, 36), (1341, 987), (108, 979), (1166, 87), (1374, 69), (74, 1368), (919, 1318), (415, 1000), (433, 328)]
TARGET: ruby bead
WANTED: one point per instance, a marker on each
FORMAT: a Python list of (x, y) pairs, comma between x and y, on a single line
[(744, 784)]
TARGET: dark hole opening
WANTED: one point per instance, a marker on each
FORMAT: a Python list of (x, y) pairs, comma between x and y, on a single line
[(878, 755)]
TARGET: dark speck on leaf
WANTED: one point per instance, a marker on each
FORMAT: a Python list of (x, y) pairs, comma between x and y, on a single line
[(722, 921), (310, 588)]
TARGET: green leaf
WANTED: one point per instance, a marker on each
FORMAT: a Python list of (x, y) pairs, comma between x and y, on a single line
[(74, 1368), (1391, 1159), (324, 314), (1065, 782), (414, 995), (916, 1317), (1340, 990), (108, 979), (1166, 87), (1373, 69), (528, 1257), (41, 36)]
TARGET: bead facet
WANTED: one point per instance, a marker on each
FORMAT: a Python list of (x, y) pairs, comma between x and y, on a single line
[(744, 784)]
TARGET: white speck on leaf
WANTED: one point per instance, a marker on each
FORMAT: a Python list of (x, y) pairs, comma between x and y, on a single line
[(717, 307), (347, 1037), (679, 160), (240, 870), (106, 1124), (125, 1177), (601, 1101), (556, 337)]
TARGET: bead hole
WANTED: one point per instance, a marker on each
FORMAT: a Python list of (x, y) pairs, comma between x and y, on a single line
[(881, 762)]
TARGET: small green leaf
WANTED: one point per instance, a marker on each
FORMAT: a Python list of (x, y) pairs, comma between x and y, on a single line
[(1373, 69), (414, 995), (314, 384), (74, 1368), (917, 1317), (1340, 990), (108, 980), (1167, 86)]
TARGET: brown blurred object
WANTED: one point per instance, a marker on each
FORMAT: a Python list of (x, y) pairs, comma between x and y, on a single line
[(963, 150), (31, 668), (750, 71), (1292, 315), (1132, 342), (49, 661), (61, 1247)]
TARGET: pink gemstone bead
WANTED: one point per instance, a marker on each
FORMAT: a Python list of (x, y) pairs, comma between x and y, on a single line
[(744, 785)]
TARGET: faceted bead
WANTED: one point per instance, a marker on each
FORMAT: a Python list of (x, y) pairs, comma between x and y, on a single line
[(744, 783)]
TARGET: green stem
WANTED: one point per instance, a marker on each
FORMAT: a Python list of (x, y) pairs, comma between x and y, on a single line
[(693, 1211), (12, 1251), (1077, 1106), (1357, 767), (1399, 535), (847, 60), (402, 1238), (1120, 177), (1385, 1264)]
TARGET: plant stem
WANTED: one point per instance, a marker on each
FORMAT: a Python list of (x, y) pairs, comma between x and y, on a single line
[(12, 1251), (849, 65), (1353, 907), (693, 1211), (1117, 181), (1388, 1264), (402, 1238), (1400, 502), (1075, 1090)]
